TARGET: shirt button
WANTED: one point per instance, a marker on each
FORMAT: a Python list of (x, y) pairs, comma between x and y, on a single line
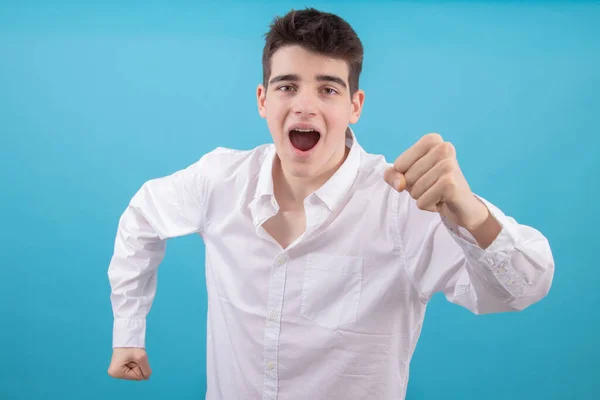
[(281, 260), (273, 315), (270, 365)]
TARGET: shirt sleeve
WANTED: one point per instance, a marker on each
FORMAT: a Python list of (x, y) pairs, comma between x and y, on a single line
[(514, 272), (161, 209)]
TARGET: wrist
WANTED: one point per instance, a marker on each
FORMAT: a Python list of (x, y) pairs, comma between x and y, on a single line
[(476, 217)]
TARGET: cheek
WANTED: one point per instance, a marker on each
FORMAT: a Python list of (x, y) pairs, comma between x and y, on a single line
[(275, 112), (275, 122), (337, 116)]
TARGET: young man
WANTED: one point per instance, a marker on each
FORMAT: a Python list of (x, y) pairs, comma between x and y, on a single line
[(320, 257)]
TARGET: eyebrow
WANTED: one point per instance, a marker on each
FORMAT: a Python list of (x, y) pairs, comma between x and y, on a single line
[(320, 78)]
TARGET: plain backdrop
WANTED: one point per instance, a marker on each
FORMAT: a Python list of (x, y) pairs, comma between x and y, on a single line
[(95, 99)]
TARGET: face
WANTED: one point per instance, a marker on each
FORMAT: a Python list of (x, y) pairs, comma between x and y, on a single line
[(307, 106)]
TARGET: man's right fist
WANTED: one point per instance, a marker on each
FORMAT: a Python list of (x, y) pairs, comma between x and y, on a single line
[(129, 363)]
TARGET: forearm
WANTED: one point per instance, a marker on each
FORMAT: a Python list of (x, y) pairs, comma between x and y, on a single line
[(510, 265), (482, 224), (156, 213), (487, 231), (132, 277)]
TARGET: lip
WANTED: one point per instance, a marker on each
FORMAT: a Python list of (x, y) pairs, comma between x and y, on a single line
[(303, 125)]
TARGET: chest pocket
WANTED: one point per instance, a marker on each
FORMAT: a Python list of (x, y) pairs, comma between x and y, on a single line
[(331, 289)]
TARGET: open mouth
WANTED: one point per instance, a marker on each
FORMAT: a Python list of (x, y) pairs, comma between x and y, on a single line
[(304, 139)]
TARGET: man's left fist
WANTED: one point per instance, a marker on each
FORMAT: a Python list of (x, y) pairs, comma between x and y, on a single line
[(429, 172)]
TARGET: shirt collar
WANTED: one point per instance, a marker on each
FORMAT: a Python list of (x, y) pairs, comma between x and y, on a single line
[(333, 191)]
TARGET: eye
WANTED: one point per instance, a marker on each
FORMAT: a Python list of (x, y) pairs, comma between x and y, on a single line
[(285, 88), (330, 91)]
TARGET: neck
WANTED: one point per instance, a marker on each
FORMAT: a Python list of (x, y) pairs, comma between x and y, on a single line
[(291, 190)]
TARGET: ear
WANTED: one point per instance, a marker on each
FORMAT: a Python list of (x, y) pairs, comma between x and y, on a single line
[(358, 100), (261, 98)]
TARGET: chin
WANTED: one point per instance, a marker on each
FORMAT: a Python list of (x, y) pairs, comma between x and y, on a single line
[(298, 166), (302, 170)]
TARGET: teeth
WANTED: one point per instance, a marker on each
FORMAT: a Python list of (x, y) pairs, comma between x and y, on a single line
[(304, 130)]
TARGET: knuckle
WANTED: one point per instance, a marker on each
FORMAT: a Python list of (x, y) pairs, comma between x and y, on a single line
[(433, 138), (445, 150), (448, 181), (447, 165)]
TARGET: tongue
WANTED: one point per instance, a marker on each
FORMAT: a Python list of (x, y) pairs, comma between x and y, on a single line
[(304, 141)]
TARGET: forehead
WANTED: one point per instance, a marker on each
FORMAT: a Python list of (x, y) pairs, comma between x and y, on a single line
[(306, 64)]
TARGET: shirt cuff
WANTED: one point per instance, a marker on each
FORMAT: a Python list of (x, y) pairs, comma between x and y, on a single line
[(129, 332)]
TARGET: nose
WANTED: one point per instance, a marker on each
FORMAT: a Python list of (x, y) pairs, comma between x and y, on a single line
[(305, 104)]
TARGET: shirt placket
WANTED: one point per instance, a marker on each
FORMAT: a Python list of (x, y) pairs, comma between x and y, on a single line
[(273, 325)]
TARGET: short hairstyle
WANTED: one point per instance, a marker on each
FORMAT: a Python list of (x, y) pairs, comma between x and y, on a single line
[(321, 32)]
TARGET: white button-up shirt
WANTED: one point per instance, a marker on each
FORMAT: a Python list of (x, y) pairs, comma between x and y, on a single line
[(337, 314)]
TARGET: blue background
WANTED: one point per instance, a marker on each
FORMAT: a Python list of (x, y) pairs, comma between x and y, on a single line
[(96, 99)]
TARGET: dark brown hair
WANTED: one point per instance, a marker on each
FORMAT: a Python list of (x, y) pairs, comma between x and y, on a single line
[(323, 33)]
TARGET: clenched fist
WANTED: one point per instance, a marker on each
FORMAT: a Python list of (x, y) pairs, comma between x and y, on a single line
[(129, 363), (429, 171)]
